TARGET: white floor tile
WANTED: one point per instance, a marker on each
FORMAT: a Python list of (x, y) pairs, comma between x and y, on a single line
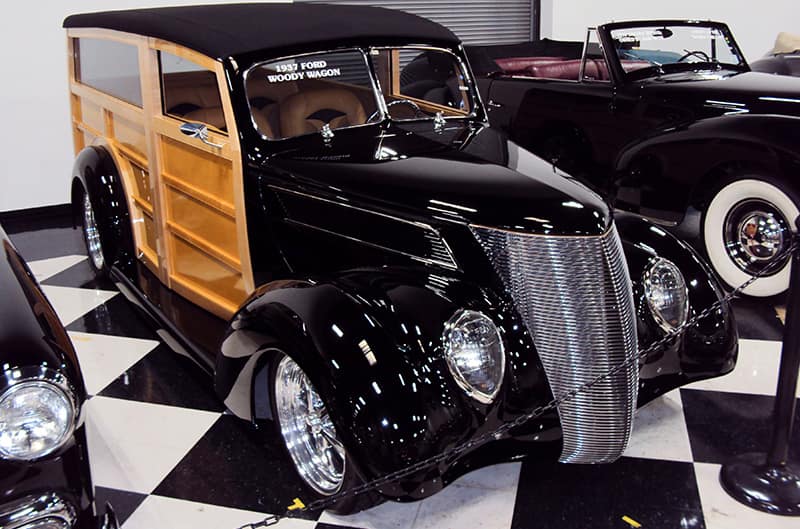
[(459, 507), (46, 268), (158, 512), (72, 303), (495, 477), (756, 370), (659, 431), (103, 358), (134, 445), (723, 512), (389, 515)]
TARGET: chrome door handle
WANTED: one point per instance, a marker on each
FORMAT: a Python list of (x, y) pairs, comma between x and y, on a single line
[(199, 131)]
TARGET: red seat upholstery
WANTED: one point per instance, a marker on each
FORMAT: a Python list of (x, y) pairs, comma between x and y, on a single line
[(521, 64)]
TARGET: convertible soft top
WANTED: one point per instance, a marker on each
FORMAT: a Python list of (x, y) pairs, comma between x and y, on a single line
[(230, 29)]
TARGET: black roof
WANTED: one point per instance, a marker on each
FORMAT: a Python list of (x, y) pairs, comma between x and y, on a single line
[(231, 29)]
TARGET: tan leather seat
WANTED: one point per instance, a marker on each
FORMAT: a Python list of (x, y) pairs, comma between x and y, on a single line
[(265, 98), (297, 111)]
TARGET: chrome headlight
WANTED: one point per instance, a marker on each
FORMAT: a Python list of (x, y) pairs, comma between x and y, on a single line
[(475, 354), (36, 418), (666, 294)]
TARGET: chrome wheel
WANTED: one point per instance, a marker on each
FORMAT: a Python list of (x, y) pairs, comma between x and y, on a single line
[(92, 235), (755, 233), (307, 430)]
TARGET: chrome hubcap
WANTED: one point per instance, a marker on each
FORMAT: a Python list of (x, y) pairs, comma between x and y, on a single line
[(755, 233), (93, 245), (307, 430)]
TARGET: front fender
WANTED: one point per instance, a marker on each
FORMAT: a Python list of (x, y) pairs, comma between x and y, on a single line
[(707, 349), (371, 343), (665, 172), (96, 172)]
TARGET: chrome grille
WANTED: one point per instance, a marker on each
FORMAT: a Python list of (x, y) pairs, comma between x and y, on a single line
[(574, 295)]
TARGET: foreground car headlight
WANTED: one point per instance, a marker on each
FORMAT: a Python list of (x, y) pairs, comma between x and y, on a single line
[(36, 418), (666, 294), (475, 354)]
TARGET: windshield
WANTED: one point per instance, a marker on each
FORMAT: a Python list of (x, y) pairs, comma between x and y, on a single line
[(660, 49), (334, 90), (419, 83)]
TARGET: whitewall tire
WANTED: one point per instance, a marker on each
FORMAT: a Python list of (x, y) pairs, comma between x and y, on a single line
[(747, 223)]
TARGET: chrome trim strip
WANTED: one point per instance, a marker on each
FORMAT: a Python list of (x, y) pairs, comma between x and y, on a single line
[(33, 509)]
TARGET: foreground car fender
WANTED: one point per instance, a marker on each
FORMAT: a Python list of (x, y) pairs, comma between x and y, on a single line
[(706, 350), (371, 343)]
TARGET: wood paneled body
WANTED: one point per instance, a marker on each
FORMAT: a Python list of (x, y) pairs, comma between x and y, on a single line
[(185, 197)]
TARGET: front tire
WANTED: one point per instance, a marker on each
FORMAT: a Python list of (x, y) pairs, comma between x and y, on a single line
[(310, 437), (747, 224)]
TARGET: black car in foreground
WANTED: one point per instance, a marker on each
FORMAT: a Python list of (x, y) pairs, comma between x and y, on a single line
[(663, 116), (44, 466), (335, 233)]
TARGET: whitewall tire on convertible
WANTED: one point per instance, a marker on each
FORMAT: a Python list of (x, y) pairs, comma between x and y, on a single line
[(747, 224)]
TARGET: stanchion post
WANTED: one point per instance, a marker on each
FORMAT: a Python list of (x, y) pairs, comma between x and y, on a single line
[(769, 482)]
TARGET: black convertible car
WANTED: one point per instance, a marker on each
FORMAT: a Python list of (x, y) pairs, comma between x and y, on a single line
[(309, 199), (662, 116), (45, 481)]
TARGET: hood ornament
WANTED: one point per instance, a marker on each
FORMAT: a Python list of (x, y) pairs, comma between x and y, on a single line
[(439, 123), (327, 134)]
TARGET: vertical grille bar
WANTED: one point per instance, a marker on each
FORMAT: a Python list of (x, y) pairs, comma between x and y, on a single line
[(574, 295)]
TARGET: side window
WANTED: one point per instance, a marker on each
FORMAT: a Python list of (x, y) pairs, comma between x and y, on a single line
[(190, 92), (109, 66)]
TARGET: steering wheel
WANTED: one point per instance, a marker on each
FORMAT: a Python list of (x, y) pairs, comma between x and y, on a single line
[(696, 53), (417, 111)]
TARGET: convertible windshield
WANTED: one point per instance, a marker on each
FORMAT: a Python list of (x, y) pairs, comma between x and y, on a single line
[(668, 48), (328, 91)]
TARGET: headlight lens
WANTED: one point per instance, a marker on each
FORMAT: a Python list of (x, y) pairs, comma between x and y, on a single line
[(666, 293), (36, 418), (475, 354)]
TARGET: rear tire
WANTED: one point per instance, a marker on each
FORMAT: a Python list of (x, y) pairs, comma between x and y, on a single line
[(747, 222), (91, 236)]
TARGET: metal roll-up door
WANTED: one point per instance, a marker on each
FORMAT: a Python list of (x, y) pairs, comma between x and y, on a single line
[(474, 21)]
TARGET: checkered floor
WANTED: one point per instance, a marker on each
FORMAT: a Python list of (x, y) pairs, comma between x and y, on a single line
[(167, 456)]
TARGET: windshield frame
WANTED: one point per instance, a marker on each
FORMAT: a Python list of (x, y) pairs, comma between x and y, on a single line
[(383, 114), (604, 33)]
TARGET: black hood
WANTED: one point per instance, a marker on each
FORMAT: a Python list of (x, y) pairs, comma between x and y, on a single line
[(467, 173), (753, 92)]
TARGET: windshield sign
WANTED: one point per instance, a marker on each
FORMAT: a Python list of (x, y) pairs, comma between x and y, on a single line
[(667, 49), (324, 92)]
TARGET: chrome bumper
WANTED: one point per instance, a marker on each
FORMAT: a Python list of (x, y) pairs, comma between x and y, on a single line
[(47, 511)]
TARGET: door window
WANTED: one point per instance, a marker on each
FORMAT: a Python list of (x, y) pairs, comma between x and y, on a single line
[(190, 92)]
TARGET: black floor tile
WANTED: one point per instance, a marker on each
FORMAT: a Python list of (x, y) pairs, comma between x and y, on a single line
[(655, 493), (756, 319), (164, 377), (80, 275), (235, 466), (117, 317), (123, 502), (724, 425), (47, 243)]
